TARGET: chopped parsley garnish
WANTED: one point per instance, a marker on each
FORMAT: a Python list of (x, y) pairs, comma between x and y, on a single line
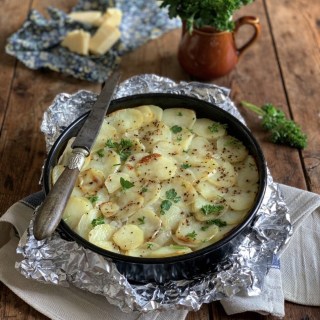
[(215, 127), (233, 142), (192, 235), (180, 114), (165, 206), (122, 147), (142, 220), (172, 195), (100, 153), (96, 222), (125, 184), (212, 209), (93, 199), (149, 245), (218, 222), (176, 129), (144, 189), (185, 165)]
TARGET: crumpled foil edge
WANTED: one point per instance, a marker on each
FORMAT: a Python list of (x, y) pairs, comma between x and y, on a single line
[(62, 262)]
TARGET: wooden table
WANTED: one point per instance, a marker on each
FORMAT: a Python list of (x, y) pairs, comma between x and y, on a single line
[(283, 67)]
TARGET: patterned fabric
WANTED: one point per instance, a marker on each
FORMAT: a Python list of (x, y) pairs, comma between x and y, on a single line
[(37, 43)]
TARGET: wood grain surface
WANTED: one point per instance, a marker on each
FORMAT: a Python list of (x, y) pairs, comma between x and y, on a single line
[(282, 67)]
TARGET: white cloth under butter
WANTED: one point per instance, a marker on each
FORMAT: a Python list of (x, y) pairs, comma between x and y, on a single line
[(300, 263)]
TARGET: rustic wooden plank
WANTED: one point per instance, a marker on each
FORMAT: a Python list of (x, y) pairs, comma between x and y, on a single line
[(202, 314), (8, 24), (296, 23)]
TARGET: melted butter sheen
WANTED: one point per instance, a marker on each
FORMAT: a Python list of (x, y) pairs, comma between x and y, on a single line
[(160, 183)]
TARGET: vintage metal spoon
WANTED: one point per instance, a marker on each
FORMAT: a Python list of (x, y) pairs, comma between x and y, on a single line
[(50, 212)]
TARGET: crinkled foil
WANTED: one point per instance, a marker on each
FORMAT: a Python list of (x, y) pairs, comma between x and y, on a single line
[(61, 262)]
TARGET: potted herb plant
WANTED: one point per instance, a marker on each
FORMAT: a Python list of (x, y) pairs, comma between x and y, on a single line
[(207, 47)]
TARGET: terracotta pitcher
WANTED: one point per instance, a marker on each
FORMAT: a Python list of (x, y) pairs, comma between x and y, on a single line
[(207, 54)]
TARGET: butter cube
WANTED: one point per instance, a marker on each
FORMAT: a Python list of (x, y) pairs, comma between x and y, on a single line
[(77, 41), (112, 17), (104, 38), (90, 17)]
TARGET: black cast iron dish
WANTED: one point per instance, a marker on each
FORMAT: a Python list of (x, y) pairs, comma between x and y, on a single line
[(160, 270)]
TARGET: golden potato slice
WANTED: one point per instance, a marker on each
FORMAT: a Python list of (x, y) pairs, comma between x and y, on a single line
[(231, 149), (101, 232), (179, 117), (125, 120), (209, 191), (147, 220), (171, 218), (201, 167), (169, 251), (201, 147), (109, 209), (106, 161), (209, 129), (107, 245), (156, 167), (224, 175), (148, 115), (163, 237), (129, 202), (191, 231), (128, 237), (144, 250), (129, 166), (179, 191), (247, 172), (106, 133), (204, 210), (91, 181), (157, 112), (182, 138), (167, 148), (113, 181), (233, 217), (184, 173), (153, 132), (241, 199), (84, 226), (77, 192), (150, 192), (75, 209)]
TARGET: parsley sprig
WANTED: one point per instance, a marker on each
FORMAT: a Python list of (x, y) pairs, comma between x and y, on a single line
[(171, 197), (212, 209), (283, 131), (126, 184), (96, 222), (218, 222), (122, 147)]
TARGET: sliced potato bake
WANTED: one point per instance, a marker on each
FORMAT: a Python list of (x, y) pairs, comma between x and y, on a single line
[(160, 183)]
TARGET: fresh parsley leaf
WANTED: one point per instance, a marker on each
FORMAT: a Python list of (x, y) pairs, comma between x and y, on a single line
[(142, 220), (185, 165), (176, 129), (93, 199), (149, 245), (100, 153), (165, 206), (215, 127), (212, 209), (192, 235), (172, 195), (125, 184), (96, 222), (144, 189), (218, 222), (111, 144), (179, 114), (122, 148), (124, 154)]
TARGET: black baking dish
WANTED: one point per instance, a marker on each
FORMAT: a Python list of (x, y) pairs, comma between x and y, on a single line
[(160, 270)]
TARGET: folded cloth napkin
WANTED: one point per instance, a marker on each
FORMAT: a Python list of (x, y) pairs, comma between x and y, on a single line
[(298, 278), (299, 268)]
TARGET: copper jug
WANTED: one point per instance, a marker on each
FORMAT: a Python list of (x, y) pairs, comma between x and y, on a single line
[(207, 54)]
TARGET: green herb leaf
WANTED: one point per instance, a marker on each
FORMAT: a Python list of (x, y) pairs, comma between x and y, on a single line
[(215, 127), (185, 166), (144, 189), (192, 235), (172, 195), (218, 222), (212, 209), (149, 245), (165, 206), (282, 130), (176, 129), (93, 199), (100, 153), (125, 184), (122, 148), (179, 114), (142, 220), (96, 222)]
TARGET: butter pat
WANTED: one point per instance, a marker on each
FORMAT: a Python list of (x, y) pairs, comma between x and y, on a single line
[(104, 38), (90, 17), (77, 41), (112, 17)]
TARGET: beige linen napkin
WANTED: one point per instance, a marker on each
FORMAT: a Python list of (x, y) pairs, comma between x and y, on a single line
[(299, 279), (57, 302)]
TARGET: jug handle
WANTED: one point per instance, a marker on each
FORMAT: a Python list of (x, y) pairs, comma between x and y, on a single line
[(255, 23)]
